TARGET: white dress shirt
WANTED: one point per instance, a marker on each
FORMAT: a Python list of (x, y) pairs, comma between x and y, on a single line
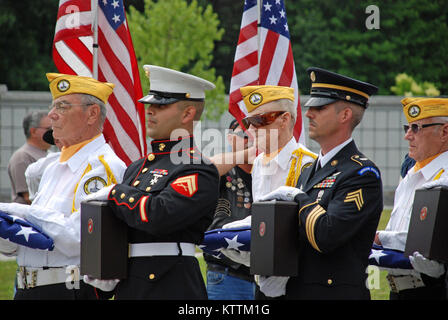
[(56, 207), (396, 232), (266, 178)]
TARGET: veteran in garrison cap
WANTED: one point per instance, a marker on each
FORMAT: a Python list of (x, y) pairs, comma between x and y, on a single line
[(85, 165), (427, 135), (339, 196), (168, 197)]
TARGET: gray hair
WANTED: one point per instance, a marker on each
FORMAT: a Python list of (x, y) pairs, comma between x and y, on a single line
[(89, 99), (288, 106), (32, 120), (440, 119)]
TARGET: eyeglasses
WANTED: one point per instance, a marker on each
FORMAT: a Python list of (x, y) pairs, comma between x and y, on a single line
[(63, 107), (262, 119), (417, 127)]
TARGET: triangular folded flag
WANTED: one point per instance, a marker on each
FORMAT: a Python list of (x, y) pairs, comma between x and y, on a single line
[(23, 232)]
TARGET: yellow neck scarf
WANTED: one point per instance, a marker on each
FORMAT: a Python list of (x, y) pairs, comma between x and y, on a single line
[(268, 157), (420, 164), (68, 152)]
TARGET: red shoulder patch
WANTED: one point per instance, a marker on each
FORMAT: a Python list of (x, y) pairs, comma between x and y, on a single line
[(187, 185)]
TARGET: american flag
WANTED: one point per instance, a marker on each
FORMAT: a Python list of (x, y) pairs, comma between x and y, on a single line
[(23, 232), (264, 57), (124, 128), (233, 238)]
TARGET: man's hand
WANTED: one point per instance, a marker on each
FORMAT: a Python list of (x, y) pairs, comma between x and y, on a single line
[(242, 257), (430, 267), (282, 193), (105, 285), (100, 195), (273, 286)]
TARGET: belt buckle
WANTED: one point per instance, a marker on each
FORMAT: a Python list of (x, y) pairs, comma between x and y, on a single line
[(392, 285), (33, 279), (24, 278)]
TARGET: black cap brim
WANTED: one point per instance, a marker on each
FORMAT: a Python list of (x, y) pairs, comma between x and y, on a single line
[(319, 102), (48, 137), (155, 99)]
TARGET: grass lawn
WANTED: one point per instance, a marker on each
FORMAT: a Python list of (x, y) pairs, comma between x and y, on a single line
[(8, 269)]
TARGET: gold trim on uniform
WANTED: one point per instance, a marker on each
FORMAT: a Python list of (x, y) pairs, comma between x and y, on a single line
[(337, 87), (356, 157), (151, 157), (310, 224), (356, 197), (143, 215)]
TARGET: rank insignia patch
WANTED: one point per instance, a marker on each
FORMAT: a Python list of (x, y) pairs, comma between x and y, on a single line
[(94, 184), (187, 185), (356, 197)]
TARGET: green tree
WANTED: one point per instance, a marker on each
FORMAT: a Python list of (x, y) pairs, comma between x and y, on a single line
[(405, 85), (27, 29), (179, 35)]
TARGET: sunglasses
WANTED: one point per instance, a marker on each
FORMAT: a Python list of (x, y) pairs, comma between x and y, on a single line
[(241, 134), (417, 127), (262, 119)]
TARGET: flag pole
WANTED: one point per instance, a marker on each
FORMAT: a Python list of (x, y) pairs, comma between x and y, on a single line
[(94, 6), (259, 5)]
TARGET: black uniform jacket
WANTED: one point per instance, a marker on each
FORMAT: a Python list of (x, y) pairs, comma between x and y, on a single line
[(168, 196), (338, 216)]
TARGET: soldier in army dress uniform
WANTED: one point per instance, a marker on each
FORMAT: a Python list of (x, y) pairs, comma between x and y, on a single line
[(168, 197), (339, 196)]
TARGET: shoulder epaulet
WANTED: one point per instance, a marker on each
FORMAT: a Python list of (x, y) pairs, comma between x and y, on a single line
[(360, 160)]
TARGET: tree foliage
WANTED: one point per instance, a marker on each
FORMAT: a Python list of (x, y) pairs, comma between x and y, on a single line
[(179, 35), (27, 29)]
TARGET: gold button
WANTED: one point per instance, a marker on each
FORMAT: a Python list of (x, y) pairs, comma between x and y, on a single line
[(334, 162), (347, 97), (136, 183), (144, 170), (162, 146), (122, 196), (131, 200), (151, 157), (191, 151), (151, 276), (330, 282), (187, 95), (148, 189), (114, 191)]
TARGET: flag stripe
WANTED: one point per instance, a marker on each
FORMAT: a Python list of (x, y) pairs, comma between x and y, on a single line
[(124, 128), (263, 56)]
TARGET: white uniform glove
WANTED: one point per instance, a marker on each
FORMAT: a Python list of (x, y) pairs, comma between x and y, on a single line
[(436, 183), (246, 222), (105, 285), (100, 195), (282, 193), (273, 286), (7, 247), (242, 257), (430, 267), (17, 209)]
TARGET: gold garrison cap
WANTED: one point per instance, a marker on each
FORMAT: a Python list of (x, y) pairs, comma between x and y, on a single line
[(256, 96), (64, 84), (420, 108)]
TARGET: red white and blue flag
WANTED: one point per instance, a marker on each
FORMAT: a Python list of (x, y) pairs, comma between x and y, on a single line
[(22, 232), (124, 128), (264, 56)]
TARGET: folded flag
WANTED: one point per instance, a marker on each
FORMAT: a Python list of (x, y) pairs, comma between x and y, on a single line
[(233, 238), (388, 258), (23, 232), (239, 239)]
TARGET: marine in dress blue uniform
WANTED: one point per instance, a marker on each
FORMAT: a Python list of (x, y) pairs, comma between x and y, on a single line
[(167, 199)]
